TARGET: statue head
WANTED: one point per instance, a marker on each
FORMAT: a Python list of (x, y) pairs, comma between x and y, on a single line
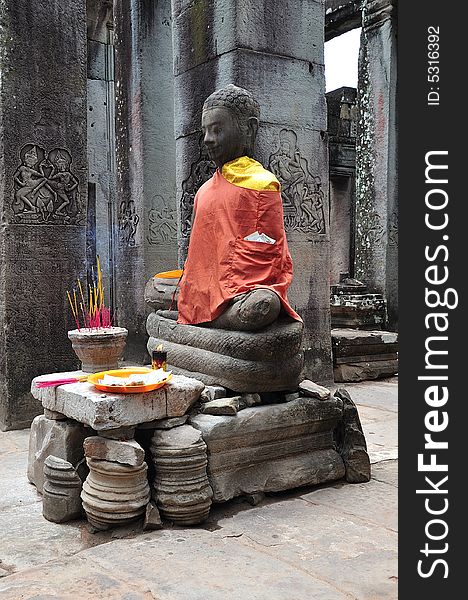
[(230, 120)]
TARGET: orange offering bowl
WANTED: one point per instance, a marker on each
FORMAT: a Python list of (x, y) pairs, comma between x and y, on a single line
[(126, 389), (176, 274)]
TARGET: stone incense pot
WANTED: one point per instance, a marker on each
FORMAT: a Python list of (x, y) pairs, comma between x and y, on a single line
[(99, 349)]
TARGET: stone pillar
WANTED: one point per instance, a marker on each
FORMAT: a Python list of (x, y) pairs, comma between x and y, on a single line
[(275, 50), (145, 158), (342, 119), (376, 155), (101, 142), (43, 193)]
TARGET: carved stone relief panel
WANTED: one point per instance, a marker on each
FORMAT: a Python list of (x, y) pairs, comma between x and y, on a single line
[(128, 222), (303, 197), (46, 191), (162, 222)]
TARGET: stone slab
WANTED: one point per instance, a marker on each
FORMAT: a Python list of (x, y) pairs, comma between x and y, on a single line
[(103, 411), (309, 388), (63, 439), (213, 392), (361, 371), (230, 406), (127, 453), (365, 337), (271, 448)]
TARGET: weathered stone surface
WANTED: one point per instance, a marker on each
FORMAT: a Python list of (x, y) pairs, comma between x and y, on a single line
[(161, 294), (152, 518), (230, 406), (360, 355), (272, 448), (222, 406), (365, 370), (165, 423), (358, 311), (292, 396), (182, 393), (351, 442), (344, 338), (121, 433), (238, 360), (127, 453), (42, 244), (313, 390), (341, 16), (63, 439), (113, 493), (376, 240), (212, 392), (181, 484), (61, 491), (106, 411), (55, 416), (145, 149), (229, 25)]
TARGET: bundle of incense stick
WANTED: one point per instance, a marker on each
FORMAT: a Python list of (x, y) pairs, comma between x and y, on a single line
[(59, 381), (93, 313)]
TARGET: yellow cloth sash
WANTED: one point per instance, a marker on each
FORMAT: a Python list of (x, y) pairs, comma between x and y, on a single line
[(247, 173)]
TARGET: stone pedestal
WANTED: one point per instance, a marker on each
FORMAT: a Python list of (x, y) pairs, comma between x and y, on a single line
[(61, 493), (376, 155), (181, 486), (217, 42), (272, 448), (43, 192), (114, 493), (258, 361), (361, 355), (147, 230), (109, 411)]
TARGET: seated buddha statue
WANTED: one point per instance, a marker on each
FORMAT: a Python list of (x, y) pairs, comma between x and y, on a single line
[(238, 267), (234, 326)]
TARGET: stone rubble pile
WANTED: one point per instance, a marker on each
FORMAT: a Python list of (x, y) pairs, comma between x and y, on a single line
[(195, 444)]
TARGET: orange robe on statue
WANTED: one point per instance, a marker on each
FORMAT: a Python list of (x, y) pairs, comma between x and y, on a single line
[(245, 198)]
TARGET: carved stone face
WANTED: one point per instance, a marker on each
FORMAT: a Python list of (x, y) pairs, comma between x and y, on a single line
[(30, 158), (223, 137)]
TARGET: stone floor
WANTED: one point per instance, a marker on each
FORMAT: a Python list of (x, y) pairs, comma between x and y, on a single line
[(334, 542)]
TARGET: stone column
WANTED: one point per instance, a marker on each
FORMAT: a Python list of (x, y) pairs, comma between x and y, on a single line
[(147, 240), (376, 155), (43, 193), (101, 143), (275, 50)]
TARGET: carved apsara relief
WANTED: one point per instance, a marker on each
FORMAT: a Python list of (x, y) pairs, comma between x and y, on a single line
[(200, 171), (162, 222), (303, 197), (128, 222), (393, 230), (45, 188)]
